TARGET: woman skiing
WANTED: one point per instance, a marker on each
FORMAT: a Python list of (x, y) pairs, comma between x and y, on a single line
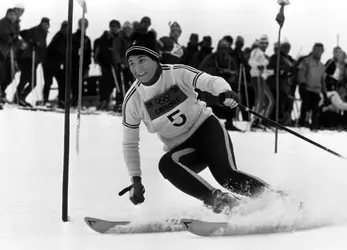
[(163, 97)]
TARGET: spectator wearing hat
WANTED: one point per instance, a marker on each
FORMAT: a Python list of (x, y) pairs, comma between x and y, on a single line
[(259, 62), (171, 51), (145, 23), (191, 49), (312, 85), (242, 68), (230, 40), (121, 69), (136, 26), (285, 50), (250, 90), (205, 50), (75, 60), (220, 64), (36, 45), (237, 52), (332, 71), (7, 35), (19, 9), (285, 69), (333, 113), (16, 45), (109, 55), (54, 66), (103, 56)]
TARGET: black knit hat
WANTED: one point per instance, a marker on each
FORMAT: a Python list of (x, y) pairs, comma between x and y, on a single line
[(44, 20), (10, 10), (114, 23), (143, 44)]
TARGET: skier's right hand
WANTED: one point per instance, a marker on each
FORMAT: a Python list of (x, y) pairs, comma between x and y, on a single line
[(229, 98), (136, 191)]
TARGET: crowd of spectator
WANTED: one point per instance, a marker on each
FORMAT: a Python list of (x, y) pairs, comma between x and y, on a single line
[(251, 71)]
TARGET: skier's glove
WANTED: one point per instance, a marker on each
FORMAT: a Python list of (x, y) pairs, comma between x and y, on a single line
[(229, 98), (136, 191)]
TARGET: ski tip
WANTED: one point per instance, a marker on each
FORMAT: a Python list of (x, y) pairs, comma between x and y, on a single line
[(102, 226), (186, 223), (96, 225), (90, 221)]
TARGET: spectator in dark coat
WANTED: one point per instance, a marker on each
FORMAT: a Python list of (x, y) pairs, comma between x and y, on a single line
[(171, 51), (285, 69), (220, 64), (145, 23), (54, 65), (332, 71), (16, 45), (7, 36), (191, 49), (87, 59), (107, 56), (205, 50), (29, 58), (237, 52)]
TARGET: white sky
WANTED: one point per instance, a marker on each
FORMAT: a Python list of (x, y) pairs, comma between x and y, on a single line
[(307, 21)]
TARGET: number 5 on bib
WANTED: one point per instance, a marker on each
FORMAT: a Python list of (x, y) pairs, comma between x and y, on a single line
[(172, 118)]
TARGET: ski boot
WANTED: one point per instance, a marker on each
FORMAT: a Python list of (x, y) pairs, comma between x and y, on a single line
[(220, 202)]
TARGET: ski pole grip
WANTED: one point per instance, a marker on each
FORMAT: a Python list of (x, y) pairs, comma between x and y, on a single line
[(127, 189)]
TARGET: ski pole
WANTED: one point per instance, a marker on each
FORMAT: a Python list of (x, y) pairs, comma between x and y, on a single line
[(239, 91), (127, 189), (13, 76), (122, 80), (275, 124), (246, 88), (115, 80), (33, 70)]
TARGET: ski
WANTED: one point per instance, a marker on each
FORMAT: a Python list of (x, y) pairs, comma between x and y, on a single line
[(102, 226), (204, 228), (233, 228), (218, 229), (128, 227)]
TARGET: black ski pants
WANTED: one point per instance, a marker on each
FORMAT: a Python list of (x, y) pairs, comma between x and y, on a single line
[(210, 146)]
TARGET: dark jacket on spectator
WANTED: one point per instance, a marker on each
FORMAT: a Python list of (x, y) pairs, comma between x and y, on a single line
[(119, 48), (211, 65), (285, 69), (34, 38), (171, 51), (87, 53), (200, 56), (330, 81), (56, 50), (7, 35), (189, 52), (104, 50), (237, 55)]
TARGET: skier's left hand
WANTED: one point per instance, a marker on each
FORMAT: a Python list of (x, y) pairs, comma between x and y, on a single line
[(229, 98), (136, 191)]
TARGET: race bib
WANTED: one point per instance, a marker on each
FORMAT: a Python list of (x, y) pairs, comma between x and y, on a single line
[(164, 103)]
